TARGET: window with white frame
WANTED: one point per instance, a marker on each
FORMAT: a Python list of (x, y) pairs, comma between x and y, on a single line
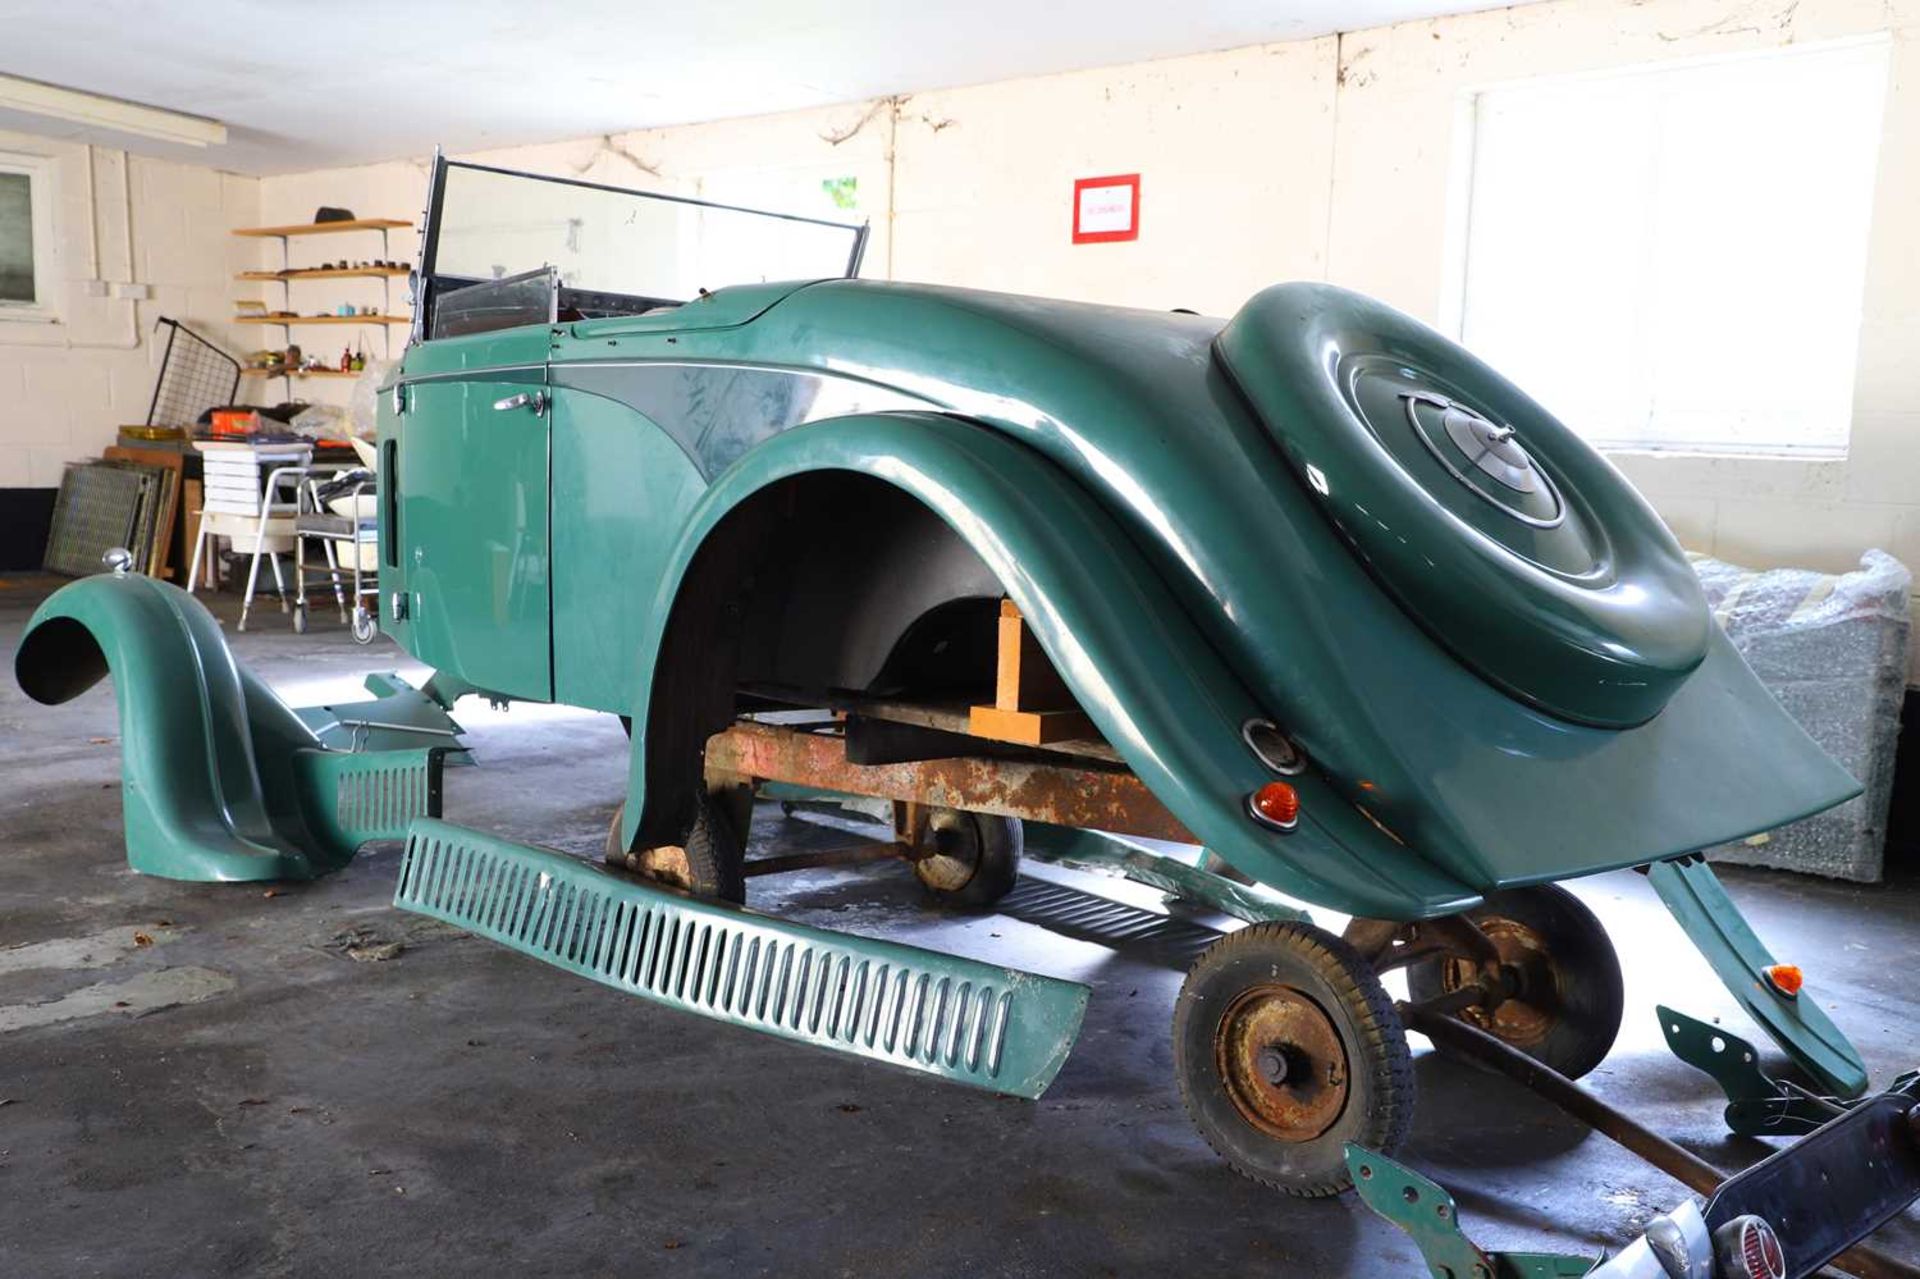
[(26, 239), (1674, 258)]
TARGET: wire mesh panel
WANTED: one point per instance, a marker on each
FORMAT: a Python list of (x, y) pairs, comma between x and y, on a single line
[(195, 376), (98, 508)]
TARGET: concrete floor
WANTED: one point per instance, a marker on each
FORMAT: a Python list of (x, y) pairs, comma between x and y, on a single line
[(198, 1080)]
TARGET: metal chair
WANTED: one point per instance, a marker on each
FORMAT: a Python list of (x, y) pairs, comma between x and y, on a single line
[(354, 532)]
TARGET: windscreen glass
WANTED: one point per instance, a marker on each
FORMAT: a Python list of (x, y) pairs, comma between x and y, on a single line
[(492, 225)]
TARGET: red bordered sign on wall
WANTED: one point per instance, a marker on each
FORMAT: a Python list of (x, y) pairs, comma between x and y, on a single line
[(1106, 209)]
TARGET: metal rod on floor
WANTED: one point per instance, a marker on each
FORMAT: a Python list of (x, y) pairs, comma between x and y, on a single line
[(1685, 1167), (843, 856)]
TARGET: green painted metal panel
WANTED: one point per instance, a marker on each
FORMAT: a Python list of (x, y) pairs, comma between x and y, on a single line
[(620, 485), (350, 799), (397, 717), (1698, 901), (1132, 409), (473, 544), (970, 1022), (221, 780), (477, 354), (1152, 685)]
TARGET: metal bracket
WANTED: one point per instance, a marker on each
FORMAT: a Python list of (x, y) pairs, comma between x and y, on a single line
[(1757, 1105), (1428, 1215)]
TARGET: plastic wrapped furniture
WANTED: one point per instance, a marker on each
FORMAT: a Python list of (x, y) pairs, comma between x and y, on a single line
[(1833, 649)]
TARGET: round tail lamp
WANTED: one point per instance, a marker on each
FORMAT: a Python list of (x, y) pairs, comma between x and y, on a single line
[(1785, 978), (1275, 805)]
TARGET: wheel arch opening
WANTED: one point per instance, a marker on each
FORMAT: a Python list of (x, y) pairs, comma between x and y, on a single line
[(825, 582)]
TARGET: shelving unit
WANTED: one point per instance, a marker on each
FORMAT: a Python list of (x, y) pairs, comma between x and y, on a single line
[(382, 225), (324, 273), (300, 374), (285, 321), (288, 273)]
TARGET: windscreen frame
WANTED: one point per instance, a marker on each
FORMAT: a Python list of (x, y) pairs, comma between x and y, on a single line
[(426, 278)]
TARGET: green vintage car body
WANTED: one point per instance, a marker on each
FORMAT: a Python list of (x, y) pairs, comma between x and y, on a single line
[(1128, 478), (1339, 601)]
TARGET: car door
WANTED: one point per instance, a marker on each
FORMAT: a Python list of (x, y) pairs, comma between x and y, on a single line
[(471, 508)]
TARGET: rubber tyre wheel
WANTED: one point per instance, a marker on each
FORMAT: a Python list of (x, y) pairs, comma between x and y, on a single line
[(1378, 1107), (979, 861), (711, 863), (1584, 990)]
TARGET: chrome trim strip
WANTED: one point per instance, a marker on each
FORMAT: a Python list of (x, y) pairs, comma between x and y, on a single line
[(456, 375)]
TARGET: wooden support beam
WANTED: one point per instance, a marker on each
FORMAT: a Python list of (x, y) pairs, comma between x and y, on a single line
[(1032, 704)]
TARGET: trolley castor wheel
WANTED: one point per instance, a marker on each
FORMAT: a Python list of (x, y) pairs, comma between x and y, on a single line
[(1565, 997), (1287, 1048), (365, 627), (968, 860), (299, 619)]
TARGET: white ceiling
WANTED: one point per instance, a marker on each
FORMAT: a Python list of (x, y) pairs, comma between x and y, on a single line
[(350, 81)]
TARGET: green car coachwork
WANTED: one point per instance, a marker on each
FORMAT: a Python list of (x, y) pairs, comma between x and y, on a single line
[(1491, 658), (1311, 587)]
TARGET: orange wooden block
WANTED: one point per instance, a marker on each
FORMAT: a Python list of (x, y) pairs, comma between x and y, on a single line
[(1029, 728), (1032, 705)]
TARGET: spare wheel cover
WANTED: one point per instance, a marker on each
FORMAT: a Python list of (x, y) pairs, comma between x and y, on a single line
[(1507, 537)]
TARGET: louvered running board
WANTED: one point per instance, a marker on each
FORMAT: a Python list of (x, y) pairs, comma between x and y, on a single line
[(960, 1019)]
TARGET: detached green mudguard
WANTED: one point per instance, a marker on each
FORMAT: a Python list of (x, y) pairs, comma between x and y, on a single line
[(1699, 904), (221, 780), (971, 1022)]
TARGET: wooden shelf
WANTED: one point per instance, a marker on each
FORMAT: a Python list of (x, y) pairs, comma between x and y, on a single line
[(307, 373), (323, 228), (321, 273), (289, 320)]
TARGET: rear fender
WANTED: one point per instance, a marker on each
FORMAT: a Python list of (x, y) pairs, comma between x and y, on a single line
[(1151, 683)]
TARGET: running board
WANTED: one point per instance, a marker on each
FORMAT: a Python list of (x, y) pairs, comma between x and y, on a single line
[(974, 1023)]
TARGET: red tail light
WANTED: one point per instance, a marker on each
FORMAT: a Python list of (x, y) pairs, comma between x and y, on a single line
[(1748, 1249)]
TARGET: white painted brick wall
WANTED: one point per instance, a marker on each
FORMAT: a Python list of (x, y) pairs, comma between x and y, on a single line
[(66, 388)]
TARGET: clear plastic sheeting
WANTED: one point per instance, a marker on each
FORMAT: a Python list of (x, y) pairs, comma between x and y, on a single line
[(363, 402), (1833, 649)]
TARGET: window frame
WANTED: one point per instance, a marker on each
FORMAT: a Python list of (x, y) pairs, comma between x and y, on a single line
[(1461, 189), (39, 172)]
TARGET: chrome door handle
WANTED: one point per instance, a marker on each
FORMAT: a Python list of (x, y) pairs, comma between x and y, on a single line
[(536, 400)]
